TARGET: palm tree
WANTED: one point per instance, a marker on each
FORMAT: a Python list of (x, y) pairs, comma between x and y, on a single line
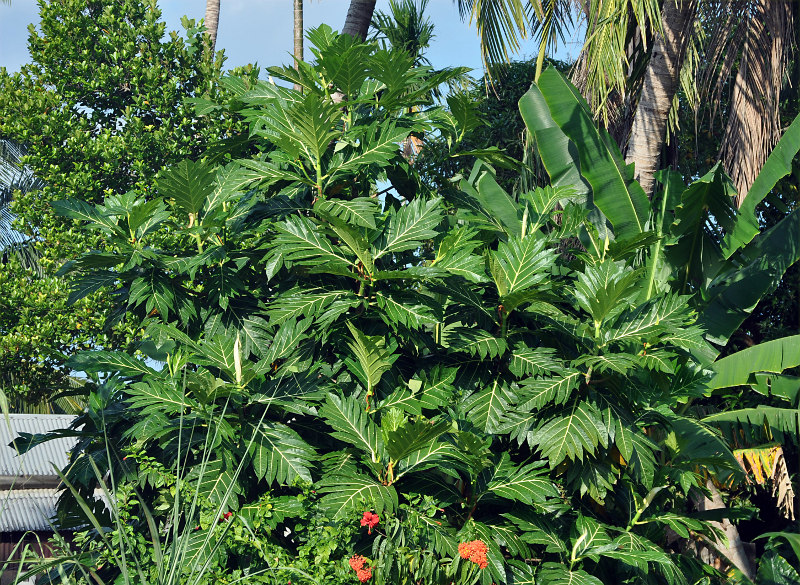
[(754, 38), (212, 21), (406, 27), (661, 80), (768, 33), (634, 53), (359, 17), (298, 37)]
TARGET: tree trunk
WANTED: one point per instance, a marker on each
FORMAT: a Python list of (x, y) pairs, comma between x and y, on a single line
[(298, 36), (733, 550), (212, 20), (658, 90), (359, 17), (753, 125)]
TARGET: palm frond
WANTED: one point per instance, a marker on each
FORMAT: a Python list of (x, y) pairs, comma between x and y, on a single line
[(405, 27), (618, 38), (687, 78), (14, 176), (551, 21), (723, 41), (501, 25)]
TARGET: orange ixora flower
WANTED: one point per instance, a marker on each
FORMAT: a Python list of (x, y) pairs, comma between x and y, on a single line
[(363, 573), (356, 562), (475, 551), (370, 520)]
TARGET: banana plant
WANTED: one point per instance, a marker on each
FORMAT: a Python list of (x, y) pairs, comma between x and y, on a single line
[(706, 247)]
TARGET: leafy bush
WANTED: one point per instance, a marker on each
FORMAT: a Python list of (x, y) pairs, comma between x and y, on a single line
[(405, 388)]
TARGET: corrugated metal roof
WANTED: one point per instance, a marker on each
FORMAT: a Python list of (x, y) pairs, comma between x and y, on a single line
[(39, 461), (22, 510)]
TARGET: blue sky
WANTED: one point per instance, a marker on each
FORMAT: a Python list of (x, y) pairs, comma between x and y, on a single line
[(261, 30)]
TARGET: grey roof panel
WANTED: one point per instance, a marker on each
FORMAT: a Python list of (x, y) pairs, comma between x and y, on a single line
[(22, 510), (39, 461)]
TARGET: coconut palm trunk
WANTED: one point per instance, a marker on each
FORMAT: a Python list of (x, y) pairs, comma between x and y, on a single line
[(658, 90), (212, 21), (753, 126), (359, 16), (298, 36)]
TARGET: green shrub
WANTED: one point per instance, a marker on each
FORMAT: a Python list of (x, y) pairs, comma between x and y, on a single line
[(406, 388)]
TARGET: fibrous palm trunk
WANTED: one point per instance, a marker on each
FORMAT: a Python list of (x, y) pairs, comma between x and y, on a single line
[(658, 90), (212, 21), (298, 36), (359, 17), (753, 125)]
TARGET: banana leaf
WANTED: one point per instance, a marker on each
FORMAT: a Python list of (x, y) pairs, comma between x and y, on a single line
[(758, 270), (554, 100), (740, 368), (778, 165)]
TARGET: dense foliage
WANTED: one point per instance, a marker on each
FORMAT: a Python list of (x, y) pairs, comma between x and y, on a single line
[(415, 386), (697, 144), (498, 135), (100, 109)]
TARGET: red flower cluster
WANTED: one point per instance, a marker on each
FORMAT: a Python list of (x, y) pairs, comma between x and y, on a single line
[(226, 516), (370, 520), (363, 573), (475, 551)]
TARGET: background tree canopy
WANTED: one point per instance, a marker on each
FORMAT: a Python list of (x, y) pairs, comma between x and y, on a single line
[(100, 110)]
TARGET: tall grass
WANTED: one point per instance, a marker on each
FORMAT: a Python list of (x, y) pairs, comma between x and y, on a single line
[(176, 554)]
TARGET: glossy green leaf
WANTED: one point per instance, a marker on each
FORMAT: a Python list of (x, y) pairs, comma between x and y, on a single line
[(109, 361), (526, 361), (777, 166), (773, 569), (520, 264), (408, 308), (558, 153), (351, 494), (557, 574), (572, 434), (486, 196), (696, 256), (615, 193), (526, 483), (279, 454), (413, 436), (188, 183), (373, 358), (772, 356), (475, 342), (407, 228), (360, 211), (487, 407), (352, 425), (589, 538), (765, 260)]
